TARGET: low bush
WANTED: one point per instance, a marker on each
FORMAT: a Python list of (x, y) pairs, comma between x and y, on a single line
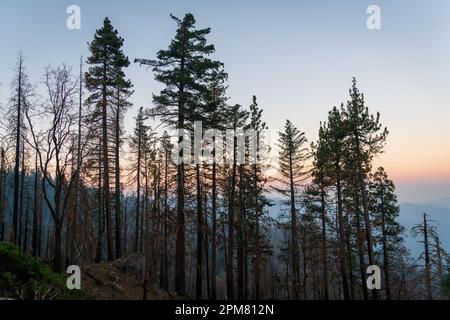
[(25, 277)]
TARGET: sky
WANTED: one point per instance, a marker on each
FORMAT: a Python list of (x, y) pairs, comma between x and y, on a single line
[(297, 57)]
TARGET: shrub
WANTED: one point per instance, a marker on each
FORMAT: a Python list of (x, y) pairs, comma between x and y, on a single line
[(25, 277), (445, 286)]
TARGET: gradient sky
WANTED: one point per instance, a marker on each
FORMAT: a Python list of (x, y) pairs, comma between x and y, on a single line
[(298, 57)]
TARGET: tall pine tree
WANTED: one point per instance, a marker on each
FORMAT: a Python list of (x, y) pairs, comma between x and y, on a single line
[(184, 68), (104, 79)]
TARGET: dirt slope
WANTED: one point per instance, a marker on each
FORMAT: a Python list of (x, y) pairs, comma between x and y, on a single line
[(120, 280)]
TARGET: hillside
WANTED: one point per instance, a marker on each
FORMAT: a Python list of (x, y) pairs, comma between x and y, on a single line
[(120, 280)]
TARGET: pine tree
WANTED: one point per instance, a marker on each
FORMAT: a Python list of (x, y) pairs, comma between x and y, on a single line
[(214, 117), (72, 223), (367, 138), (103, 79), (319, 186), (166, 149), (236, 119), (292, 161), (258, 189), (208, 112), (184, 68), (334, 131), (100, 206), (354, 222), (383, 205), (138, 142), (122, 88)]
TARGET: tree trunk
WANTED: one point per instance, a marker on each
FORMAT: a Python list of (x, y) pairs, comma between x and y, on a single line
[(229, 266), (294, 235), (440, 268), (180, 264), (25, 239), (429, 291), (118, 207), (138, 193), (240, 238), (165, 274), (350, 259), (324, 239), (22, 193), (199, 276), (257, 239), (57, 259), (359, 240), (385, 250), (37, 213), (213, 232), (15, 226), (106, 185), (99, 245), (2, 194), (78, 168), (343, 262), (125, 226), (206, 231), (362, 184)]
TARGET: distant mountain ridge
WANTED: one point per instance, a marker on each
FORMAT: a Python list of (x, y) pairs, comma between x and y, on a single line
[(410, 215)]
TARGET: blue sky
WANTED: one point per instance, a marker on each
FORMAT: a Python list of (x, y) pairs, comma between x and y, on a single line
[(298, 57)]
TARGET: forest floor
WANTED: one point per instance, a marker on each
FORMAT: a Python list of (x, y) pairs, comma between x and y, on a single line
[(120, 280)]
